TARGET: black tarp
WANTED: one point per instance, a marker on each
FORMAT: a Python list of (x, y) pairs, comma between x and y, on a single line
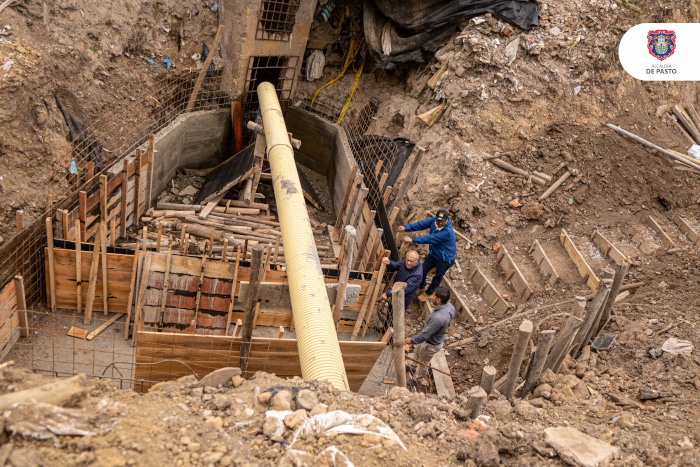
[(233, 169), (421, 27), (85, 146)]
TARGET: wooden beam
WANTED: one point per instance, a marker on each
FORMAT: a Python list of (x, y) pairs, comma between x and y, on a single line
[(280, 332), (78, 268), (105, 280), (92, 279), (466, 314), (103, 198), (363, 240), (130, 300), (581, 265), (199, 290), (348, 252), (370, 298), (21, 306), (483, 285), (145, 273), (251, 305), (566, 336), (377, 287), (64, 224), (686, 228), (82, 214), (513, 274), (166, 284), (543, 263), (52, 274), (443, 380), (398, 307), (151, 166), (357, 188), (237, 327), (137, 186), (104, 326), (233, 289), (665, 239), (203, 71), (538, 360), (607, 248), (19, 218), (124, 197)]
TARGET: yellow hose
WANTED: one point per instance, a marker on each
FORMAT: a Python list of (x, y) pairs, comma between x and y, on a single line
[(319, 351)]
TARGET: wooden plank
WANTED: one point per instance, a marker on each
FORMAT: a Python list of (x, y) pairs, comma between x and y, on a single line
[(686, 228), (203, 71), (80, 333), (92, 279), (105, 281), (466, 314), (543, 263), (485, 287), (166, 282), (151, 166), (130, 300), (52, 276), (104, 326), (607, 247), (141, 296), (124, 197), (443, 382), (21, 305), (665, 239), (513, 274), (581, 265)]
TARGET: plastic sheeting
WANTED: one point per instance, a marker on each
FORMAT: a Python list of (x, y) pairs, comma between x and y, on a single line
[(420, 27)]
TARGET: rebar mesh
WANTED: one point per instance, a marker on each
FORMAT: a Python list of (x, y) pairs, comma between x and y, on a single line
[(104, 142)]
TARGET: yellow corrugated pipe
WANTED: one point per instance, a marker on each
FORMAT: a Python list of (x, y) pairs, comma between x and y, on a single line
[(319, 351)]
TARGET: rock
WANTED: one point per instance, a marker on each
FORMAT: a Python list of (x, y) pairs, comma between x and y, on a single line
[(296, 418), (462, 414), (221, 376), (486, 453), (264, 397), (427, 430), (460, 71), (626, 421), (197, 392), (501, 409), (306, 399), (420, 412), (194, 447), (211, 458), (296, 458), (547, 377), (221, 402), (247, 413), (526, 411), (237, 381), (532, 210), (319, 409), (189, 190), (579, 449), (282, 400), (543, 390), (372, 439), (273, 427), (345, 396), (216, 421), (555, 31)]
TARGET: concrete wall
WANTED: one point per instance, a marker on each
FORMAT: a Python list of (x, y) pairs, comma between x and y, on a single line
[(324, 149), (238, 43), (194, 140)]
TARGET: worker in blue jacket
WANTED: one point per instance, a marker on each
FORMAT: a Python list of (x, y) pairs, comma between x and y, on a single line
[(443, 248)]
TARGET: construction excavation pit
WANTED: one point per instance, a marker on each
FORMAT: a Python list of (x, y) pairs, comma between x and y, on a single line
[(348, 233)]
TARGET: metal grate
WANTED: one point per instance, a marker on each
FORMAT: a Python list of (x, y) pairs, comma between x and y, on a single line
[(603, 341), (276, 19), (280, 71)]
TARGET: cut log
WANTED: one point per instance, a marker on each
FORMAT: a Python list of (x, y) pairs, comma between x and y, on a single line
[(488, 378), (516, 359), (538, 360), (61, 392), (561, 347), (397, 301)]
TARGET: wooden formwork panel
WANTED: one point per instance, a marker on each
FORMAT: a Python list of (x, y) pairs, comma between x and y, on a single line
[(205, 354), (513, 274), (665, 239), (543, 263), (9, 318), (607, 248), (581, 265), (484, 286), (686, 228)]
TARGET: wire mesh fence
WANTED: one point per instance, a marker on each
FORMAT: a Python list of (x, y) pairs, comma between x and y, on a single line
[(101, 144)]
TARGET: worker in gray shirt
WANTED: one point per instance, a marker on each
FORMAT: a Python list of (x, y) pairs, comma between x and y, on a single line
[(430, 340)]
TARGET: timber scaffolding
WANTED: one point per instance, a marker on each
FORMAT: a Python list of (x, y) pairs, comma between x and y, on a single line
[(177, 281)]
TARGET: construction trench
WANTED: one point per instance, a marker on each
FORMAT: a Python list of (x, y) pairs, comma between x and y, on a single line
[(202, 283)]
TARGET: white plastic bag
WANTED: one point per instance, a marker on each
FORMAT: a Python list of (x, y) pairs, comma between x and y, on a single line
[(694, 151), (314, 65), (675, 346)]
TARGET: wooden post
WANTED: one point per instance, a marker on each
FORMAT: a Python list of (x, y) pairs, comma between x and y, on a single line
[(112, 232), (142, 296), (19, 216), (245, 248), (151, 162), (224, 251), (277, 249), (397, 303), (130, 300), (211, 241), (21, 306), (408, 181), (344, 203), (78, 268), (49, 202), (103, 198), (387, 193), (82, 214), (237, 121), (375, 293), (363, 240), (590, 322), (249, 313), (182, 239), (137, 187), (52, 274), (360, 207), (563, 343), (160, 234), (203, 71), (166, 284), (233, 291), (199, 290), (351, 207), (538, 360), (369, 300), (477, 397), (516, 359), (620, 273), (64, 224), (344, 275), (92, 279), (488, 378), (90, 170), (186, 245), (103, 240), (124, 200)]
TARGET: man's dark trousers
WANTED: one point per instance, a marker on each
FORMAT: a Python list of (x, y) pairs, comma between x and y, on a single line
[(440, 267)]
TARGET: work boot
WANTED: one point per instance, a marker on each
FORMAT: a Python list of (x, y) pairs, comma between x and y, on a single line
[(423, 297)]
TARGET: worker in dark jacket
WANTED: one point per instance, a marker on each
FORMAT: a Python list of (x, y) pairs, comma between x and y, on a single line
[(431, 339), (410, 271), (443, 249)]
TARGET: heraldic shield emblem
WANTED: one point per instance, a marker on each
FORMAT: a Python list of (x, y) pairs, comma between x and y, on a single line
[(661, 43)]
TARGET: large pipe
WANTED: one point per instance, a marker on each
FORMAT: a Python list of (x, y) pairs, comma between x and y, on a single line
[(319, 350)]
